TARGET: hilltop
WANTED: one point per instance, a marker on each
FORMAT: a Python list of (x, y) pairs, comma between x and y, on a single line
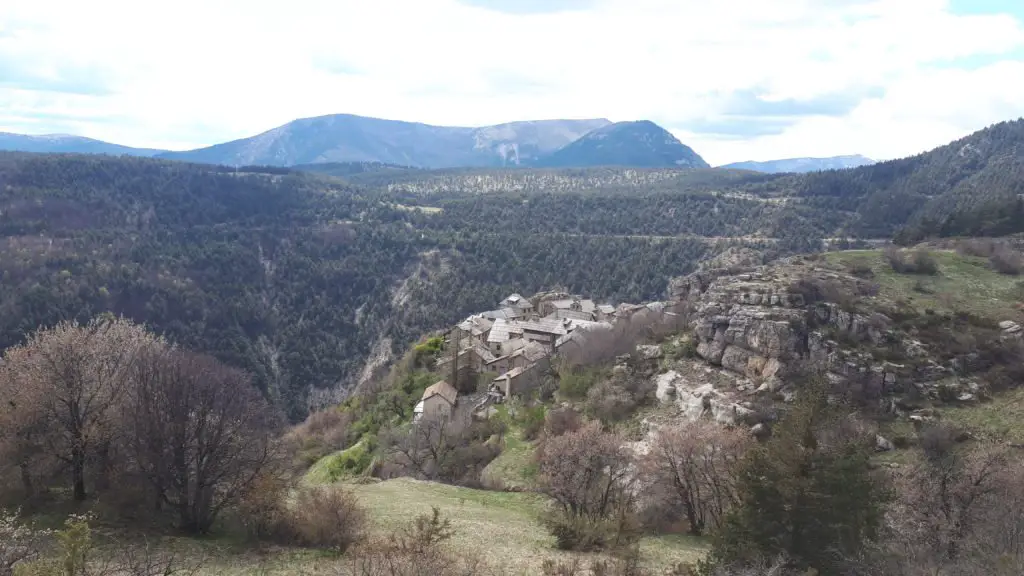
[(642, 144)]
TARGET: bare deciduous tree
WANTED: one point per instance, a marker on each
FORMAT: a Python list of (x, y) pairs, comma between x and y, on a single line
[(79, 374), (201, 433), (586, 471), (696, 464), (23, 425)]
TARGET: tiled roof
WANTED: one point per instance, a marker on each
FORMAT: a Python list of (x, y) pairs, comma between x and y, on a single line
[(544, 325), (502, 331), (442, 389), (511, 373), (572, 314)]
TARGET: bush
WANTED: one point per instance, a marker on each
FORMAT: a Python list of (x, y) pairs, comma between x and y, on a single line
[(532, 419), (609, 402), (915, 262), (1006, 260), (18, 543), (326, 517), (262, 512), (590, 534), (353, 461), (861, 269), (419, 549), (561, 421), (574, 383)]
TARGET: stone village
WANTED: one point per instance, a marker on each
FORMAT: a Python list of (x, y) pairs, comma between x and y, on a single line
[(517, 341)]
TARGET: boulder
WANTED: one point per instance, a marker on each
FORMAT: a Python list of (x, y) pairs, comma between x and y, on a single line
[(883, 445), (648, 352), (760, 430)]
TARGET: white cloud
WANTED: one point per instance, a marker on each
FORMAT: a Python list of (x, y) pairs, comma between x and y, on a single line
[(202, 71)]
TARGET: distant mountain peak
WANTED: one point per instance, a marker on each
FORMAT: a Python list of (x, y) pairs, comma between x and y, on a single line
[(351, 138), (640, 143), (67, 143), (803, 165)]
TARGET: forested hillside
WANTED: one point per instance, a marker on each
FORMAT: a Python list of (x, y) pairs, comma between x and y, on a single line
[(290, 276), (296, 276)]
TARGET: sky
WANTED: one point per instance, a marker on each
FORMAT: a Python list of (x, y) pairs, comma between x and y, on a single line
[(734, 79)]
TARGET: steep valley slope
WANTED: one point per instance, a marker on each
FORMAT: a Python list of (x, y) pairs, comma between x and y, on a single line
[(297, 277)]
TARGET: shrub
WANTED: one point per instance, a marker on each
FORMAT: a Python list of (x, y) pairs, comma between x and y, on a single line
[(262, 512), (418, 549), (588, 473), (978, 247), (860, 268), (18, 543), (326, 517), (589, 533), (350, 462), (532, 420), (609, 402), (574, 383), (561, 421), (915, 262), (1007, 261)]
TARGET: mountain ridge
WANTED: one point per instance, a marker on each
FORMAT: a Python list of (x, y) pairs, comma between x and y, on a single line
[(802, 165), (352, 138), (57, 143)]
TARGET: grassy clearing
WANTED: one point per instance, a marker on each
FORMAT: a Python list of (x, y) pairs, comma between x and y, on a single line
[(515, 466), (502, 526), (963, 283), (1001, 419)]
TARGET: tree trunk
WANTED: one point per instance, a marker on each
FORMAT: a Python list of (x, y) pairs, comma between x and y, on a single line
[(78, 473), (26, 480)]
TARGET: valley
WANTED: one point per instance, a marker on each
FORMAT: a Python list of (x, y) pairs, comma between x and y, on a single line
[(330, 292)]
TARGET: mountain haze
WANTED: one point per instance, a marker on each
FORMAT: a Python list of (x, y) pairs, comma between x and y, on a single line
[(641, 144), (803, 165), (349, 138), (65, 143)]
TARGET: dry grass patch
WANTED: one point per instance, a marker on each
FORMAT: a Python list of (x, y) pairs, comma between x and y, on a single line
[(502, 526)]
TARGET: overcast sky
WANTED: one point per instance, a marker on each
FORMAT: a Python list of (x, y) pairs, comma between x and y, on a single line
[(734, 79)]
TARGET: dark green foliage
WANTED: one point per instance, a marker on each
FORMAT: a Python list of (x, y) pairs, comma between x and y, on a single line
[(807, 493)]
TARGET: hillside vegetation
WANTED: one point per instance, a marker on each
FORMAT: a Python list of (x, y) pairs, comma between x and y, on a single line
[(298, 277)]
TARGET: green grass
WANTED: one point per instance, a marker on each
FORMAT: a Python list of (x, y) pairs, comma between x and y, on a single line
[(1000, 419), (515, 466), (352, 461), (964, 283), (502, 526)]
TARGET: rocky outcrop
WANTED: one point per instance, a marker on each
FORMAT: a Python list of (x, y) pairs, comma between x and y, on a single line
[(759, 323), (698, 400)]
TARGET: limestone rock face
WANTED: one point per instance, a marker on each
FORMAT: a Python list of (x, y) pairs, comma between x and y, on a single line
[(758, 322), (699, 400)]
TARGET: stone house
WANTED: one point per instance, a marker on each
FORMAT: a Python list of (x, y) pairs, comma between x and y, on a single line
[(518, 381), (438, 401), (516, 302), (544, 332), (475, 357), (505, 337), (530, 353)]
